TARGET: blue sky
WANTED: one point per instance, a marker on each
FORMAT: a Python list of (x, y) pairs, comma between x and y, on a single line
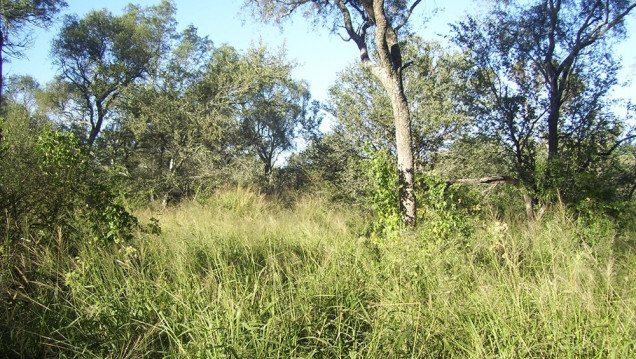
[(320, 55)]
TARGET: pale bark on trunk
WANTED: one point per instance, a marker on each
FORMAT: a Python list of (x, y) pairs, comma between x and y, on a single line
[(529, 206), (388, 70), (406, 166), (1, 69)]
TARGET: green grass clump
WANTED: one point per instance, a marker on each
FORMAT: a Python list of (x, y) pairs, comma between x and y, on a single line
[(243, 276)]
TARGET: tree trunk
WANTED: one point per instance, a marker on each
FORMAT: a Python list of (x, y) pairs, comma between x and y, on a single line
[(267, 169), (164, 201), (96, 128), (553, 123), (1, 73), (529, 206), (553, 128), (392, 83), (406, 167), (389, 71)]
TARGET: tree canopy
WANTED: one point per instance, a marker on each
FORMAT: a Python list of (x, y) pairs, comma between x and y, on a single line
[(16, 16), (542, 73), (101, 54), (175, 115), (356, 18)]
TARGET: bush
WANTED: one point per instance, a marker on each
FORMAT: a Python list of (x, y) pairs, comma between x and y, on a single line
[(383, 187), (445, 210), (50, 187)]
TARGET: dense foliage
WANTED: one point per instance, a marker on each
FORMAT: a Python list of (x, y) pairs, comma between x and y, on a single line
[(241, 275), (165, 196), (540, 83), (51, 189)]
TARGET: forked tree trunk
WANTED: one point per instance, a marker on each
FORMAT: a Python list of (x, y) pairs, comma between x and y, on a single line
[(389, 71)]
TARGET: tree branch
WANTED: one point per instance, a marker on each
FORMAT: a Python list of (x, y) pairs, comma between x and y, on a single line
[(616, 145), (486, 180), (358, 38), (381, 30), (407, 16)]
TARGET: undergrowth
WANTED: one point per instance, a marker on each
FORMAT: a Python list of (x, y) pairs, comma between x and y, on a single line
[(242, 276)]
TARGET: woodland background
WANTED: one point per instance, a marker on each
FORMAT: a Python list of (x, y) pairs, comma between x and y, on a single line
[(165, 196)]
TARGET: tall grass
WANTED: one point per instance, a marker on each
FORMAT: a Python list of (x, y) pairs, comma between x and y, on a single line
[(243, 276)]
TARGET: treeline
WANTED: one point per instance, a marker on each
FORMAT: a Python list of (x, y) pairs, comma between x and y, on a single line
[(141, 112), (277, 239)]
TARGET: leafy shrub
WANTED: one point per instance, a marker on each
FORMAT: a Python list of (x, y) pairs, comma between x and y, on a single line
[(383, 185), (50, 187), (444, 209)]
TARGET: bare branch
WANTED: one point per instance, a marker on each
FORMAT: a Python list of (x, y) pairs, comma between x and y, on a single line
[(358, 38), (616, 145), (381, 30), (407, 15), (602, 28), (359, 10), (486, 180), (343, 38)]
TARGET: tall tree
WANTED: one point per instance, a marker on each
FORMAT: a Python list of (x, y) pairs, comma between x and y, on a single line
[(15, 18), (357, 17), (553, 39), (543, 69), (23, 90), (209, 116), (101, 54), (561, 32), (170, 139), (275, 109), (362, 109)]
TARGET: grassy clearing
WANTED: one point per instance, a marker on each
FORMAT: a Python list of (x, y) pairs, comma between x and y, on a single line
[(245, 277)]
